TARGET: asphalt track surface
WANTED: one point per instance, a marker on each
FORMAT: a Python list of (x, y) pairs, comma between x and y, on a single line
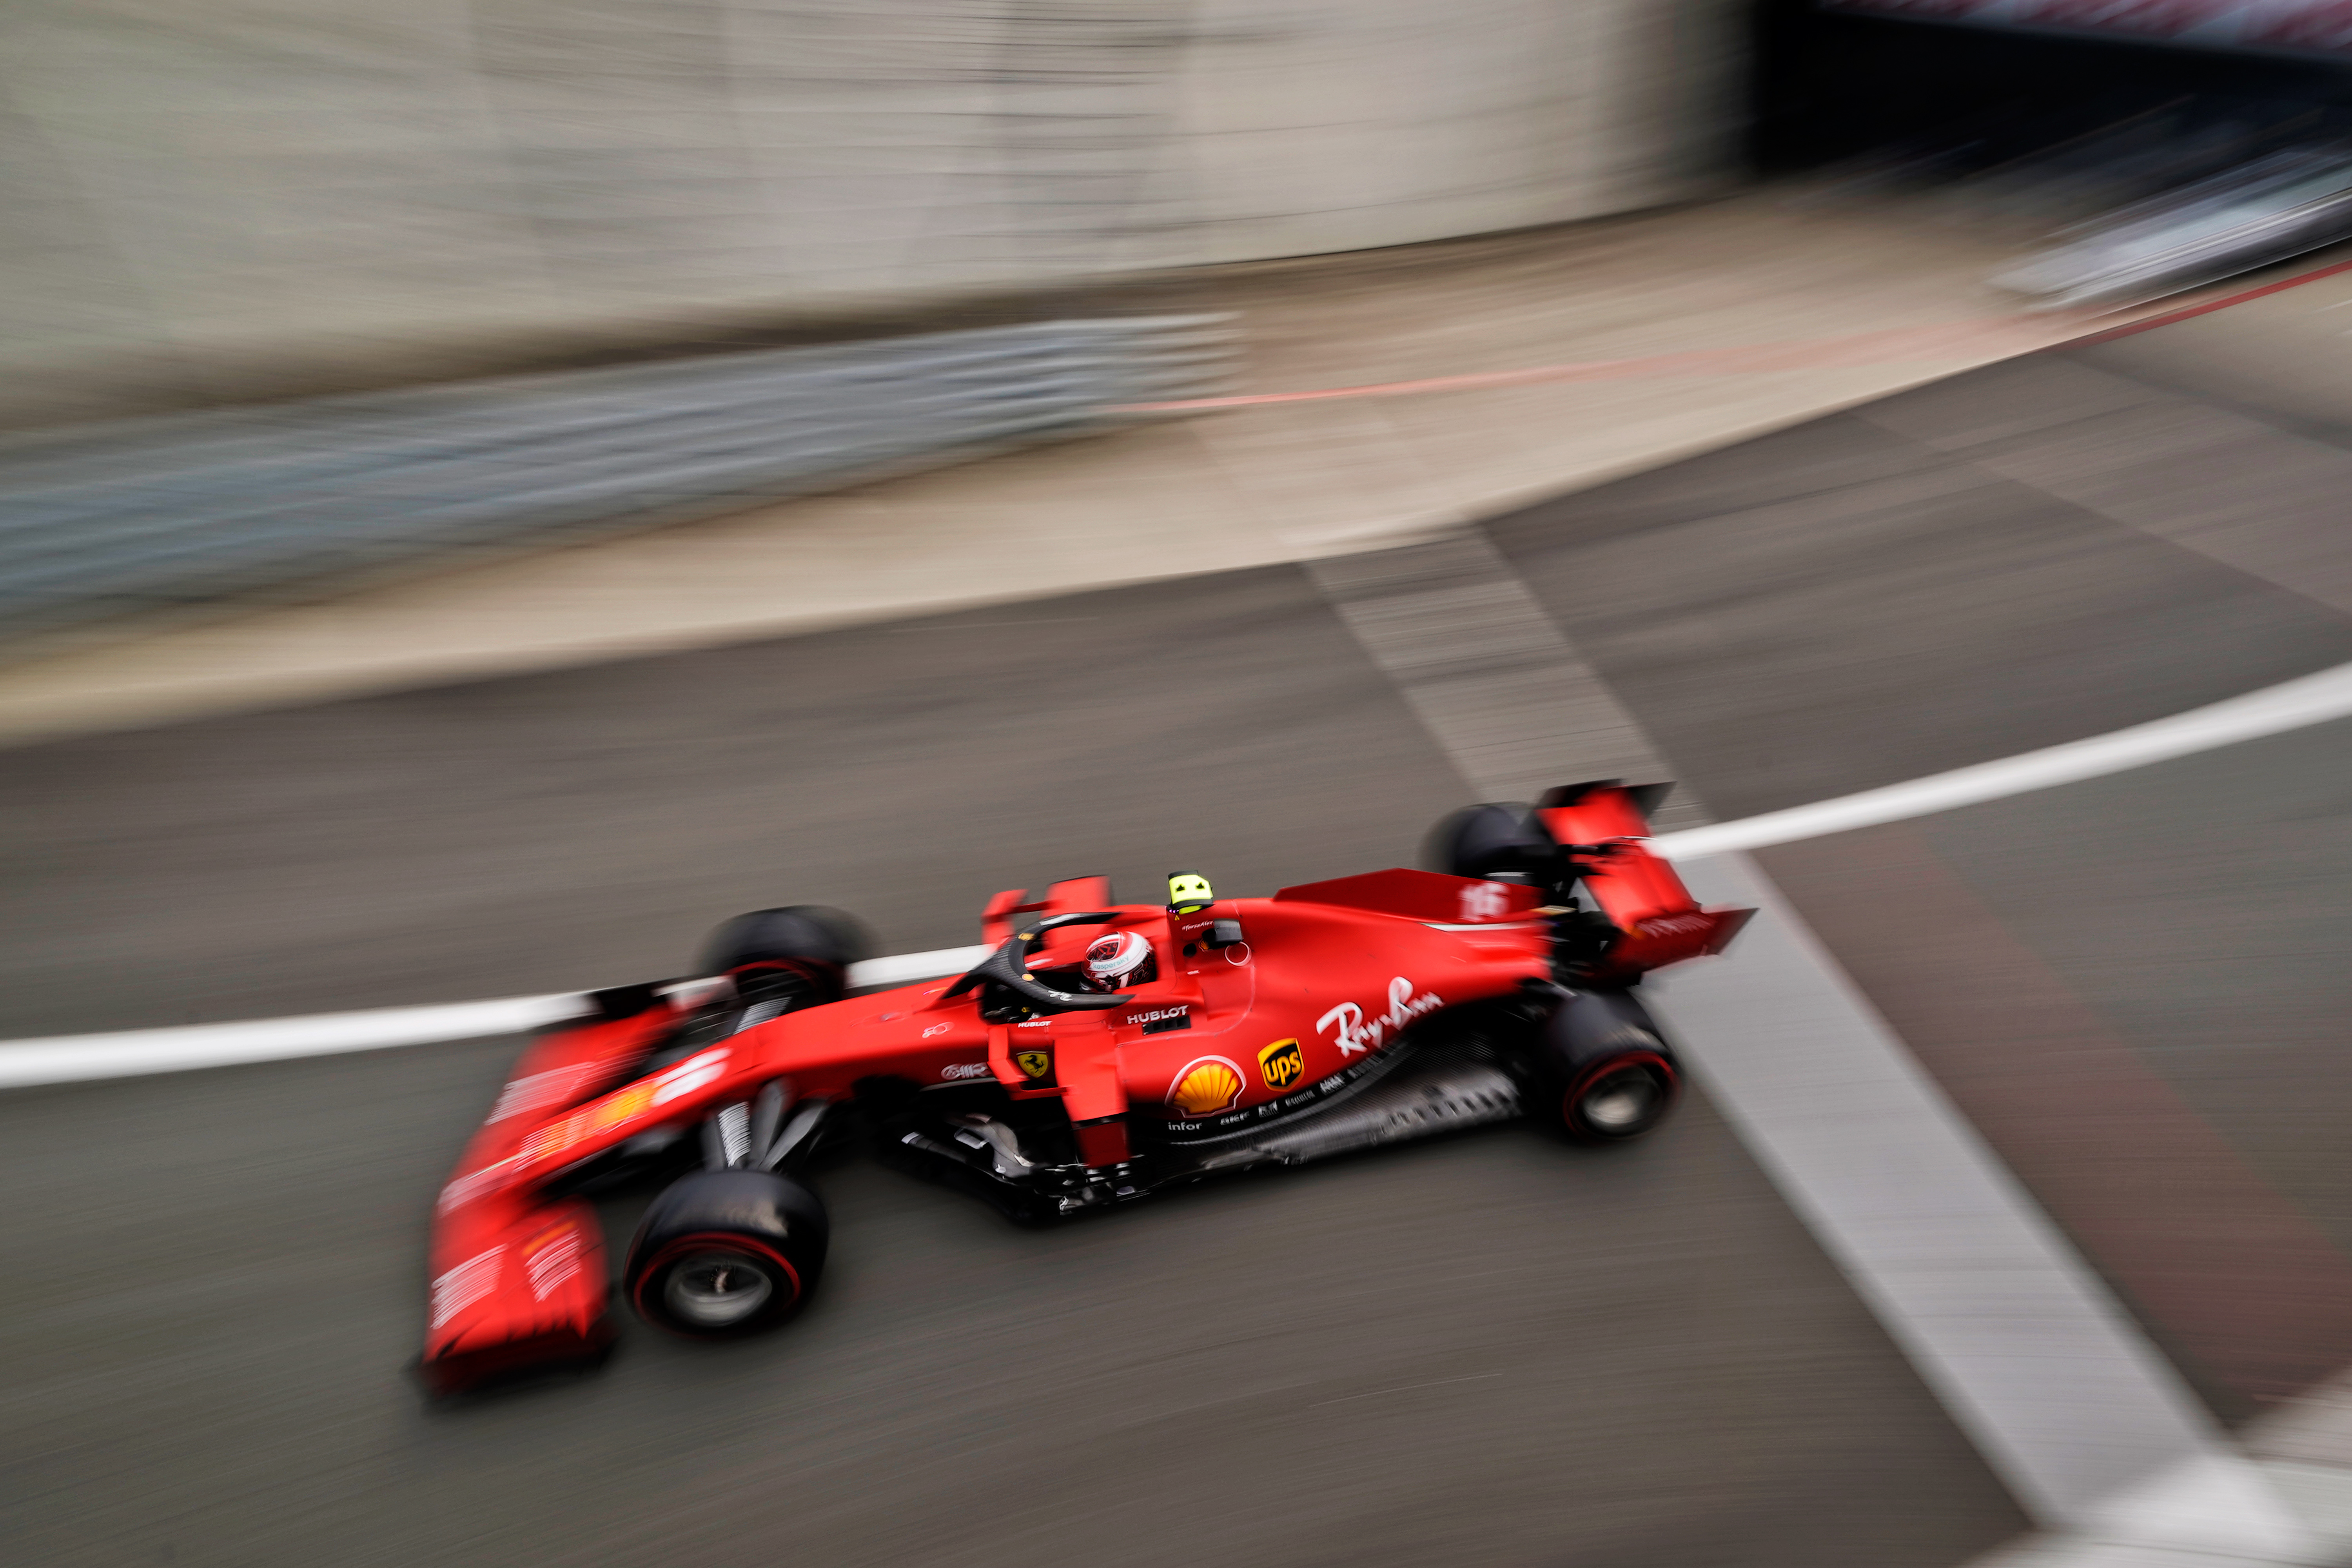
[(1495, 1350)]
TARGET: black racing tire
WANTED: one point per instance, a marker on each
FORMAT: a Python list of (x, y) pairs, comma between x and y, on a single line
[(1600, 1069), (1486, 840), (808, 939), (726, 1253)]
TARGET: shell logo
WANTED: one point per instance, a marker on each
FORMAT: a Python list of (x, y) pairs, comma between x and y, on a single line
[(632, 1101), (1206, 1085), (624, 1104)]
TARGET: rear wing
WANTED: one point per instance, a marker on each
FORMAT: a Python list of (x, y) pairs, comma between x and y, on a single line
[(1640, 894)]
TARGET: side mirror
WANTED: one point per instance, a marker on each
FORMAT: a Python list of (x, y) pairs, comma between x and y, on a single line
[(1224, 933)]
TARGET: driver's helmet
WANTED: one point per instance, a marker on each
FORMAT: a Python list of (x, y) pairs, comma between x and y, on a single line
[(1117, 960)]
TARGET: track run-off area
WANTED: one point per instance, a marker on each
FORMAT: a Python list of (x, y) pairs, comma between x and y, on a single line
[(2012, 1196)]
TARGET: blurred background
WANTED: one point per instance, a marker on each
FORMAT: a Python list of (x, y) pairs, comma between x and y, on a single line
[(490, 489), (216, 200)]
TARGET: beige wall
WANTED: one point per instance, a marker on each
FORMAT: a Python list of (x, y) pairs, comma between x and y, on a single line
[(193, 184)]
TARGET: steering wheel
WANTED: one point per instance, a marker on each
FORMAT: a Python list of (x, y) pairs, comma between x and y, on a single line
[(1007, 968)]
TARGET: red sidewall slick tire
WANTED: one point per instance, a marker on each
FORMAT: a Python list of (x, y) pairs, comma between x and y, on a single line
[(723, 1254), (1619, 1097), (810, 940), (1598, 1070), (655, 1284)]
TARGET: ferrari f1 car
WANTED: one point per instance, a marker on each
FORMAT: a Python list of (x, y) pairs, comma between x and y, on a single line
[(1100, 1053)]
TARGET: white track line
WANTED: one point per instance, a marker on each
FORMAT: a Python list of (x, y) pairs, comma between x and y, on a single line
[(900, 968), (2093, 1431), (71, 1058), (2290, 705), (2082, 1418)]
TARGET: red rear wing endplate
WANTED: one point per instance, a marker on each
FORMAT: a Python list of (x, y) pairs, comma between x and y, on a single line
[(1641, 893)]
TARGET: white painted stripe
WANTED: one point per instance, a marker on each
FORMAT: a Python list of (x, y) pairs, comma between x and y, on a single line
[(68, 1059), (2290, 705), (904, 968), (2091, 1428), (2319, 1498), (71, 1058), (2087, 1423), (2293, 704), (1481, 665)]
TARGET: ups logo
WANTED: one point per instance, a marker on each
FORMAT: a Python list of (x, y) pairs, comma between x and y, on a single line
[(1281, 1065), (1033, 1064)]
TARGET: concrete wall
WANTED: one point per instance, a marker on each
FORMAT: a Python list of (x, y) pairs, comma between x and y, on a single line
[(195, 183)]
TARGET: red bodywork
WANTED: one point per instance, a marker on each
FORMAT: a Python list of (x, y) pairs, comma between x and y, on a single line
[(1328, 977)]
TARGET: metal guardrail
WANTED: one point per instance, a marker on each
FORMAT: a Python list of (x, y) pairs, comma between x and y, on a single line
[(188, 510)]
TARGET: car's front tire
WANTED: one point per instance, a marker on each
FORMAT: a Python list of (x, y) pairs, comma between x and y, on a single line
[(803, 951), (723, 1254)]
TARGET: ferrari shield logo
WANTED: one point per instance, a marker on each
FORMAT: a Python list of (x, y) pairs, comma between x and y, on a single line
[(1281, 1065), (1033, 1064)]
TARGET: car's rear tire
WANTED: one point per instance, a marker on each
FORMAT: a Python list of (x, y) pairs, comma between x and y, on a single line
[(808, 940), (1619, 1098), (1600, 1070), (1493, 839), (723, 1254)]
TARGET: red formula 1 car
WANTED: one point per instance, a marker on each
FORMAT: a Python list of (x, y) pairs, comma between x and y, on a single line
[(1100, 1053)]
